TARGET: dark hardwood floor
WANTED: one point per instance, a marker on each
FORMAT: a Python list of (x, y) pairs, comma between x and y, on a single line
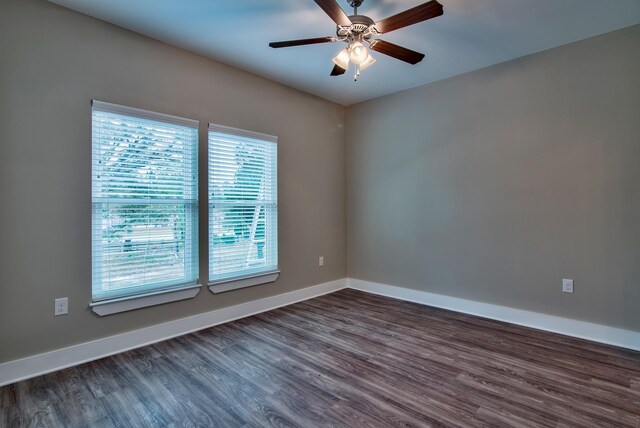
[(345, 359)]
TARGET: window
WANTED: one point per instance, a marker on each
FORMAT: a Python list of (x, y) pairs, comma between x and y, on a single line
[(144, 203), (243, 208)]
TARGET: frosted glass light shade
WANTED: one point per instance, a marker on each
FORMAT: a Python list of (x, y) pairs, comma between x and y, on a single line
[(358, 53), (342, 59), (367, 62)]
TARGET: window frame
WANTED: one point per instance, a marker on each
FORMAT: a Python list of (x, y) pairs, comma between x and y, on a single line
[(246, 279), (163, 291)]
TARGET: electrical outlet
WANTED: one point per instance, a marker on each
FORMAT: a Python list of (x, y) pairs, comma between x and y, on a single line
[(61, 306), (321, 261), (567, 285)]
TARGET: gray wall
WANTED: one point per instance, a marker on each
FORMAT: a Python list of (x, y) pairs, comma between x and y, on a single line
[(495, 185), (53, 62)]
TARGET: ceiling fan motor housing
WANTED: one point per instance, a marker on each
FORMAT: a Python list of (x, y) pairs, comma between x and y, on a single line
[(362, 27)]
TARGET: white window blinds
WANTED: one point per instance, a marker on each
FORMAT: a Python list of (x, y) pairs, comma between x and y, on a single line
[(144, 201), (243, 204)]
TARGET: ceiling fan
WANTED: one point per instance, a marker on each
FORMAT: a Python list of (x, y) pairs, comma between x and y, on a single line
[(356, 30)]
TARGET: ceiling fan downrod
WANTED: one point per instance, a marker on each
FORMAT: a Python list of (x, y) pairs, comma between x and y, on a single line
[(355, 4)]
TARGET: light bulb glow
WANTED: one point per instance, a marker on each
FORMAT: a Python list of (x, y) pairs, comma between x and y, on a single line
[(358, 53)]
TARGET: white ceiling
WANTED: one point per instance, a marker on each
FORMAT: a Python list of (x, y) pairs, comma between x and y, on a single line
[(471, 34)]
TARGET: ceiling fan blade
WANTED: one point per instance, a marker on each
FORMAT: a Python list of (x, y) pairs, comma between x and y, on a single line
[(397, 52), (335, 12), (337, 70), (301, 42), (411, 16)]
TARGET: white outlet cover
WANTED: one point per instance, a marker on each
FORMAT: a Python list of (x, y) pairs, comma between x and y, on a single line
[(61, 306), (321, 261), (567, 285)]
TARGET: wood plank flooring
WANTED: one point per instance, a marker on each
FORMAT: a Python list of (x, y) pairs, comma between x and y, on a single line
[(345, 359)]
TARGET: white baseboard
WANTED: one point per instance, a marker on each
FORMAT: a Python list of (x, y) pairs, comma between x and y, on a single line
[(580, 329), (25, 368)]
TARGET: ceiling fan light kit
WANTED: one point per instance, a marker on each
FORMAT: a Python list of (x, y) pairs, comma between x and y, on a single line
[(356, 53), (358, 30)]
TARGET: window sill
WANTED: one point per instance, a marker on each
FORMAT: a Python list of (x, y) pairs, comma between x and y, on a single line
[(242, 282), (129, 303)]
